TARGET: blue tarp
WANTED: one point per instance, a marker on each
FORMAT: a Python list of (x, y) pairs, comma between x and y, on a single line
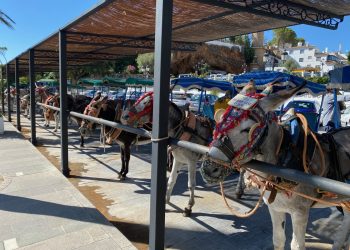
[(261, 80), (193, 82), (340, 78)]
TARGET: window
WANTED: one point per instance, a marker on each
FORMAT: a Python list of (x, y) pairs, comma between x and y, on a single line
[(309, 57), (301, 51), (301, 59)]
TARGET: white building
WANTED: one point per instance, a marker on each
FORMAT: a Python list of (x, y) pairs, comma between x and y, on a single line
[(310, 57)]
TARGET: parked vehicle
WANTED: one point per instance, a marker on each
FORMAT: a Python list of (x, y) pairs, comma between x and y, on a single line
[(195, 99), (180, 98), (309, 108), (185, 75), (345, 117)]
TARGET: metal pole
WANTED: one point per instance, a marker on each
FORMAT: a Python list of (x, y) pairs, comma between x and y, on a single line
[(163, 31), (200, 101), (32, 96), (18, 108), (2, 91), (63, 102), (320, 113), (335, 112), (8, 92)]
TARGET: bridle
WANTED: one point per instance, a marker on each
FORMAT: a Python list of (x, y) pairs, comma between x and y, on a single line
[(230, 120), (90, 110), (148, 110)]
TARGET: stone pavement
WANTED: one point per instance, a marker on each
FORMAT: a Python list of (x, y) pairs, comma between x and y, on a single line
[(126, 203), (41, 209)]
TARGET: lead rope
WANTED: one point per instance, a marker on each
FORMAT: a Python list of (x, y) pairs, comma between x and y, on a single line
[(344, 204), (306, 128), (246, 214)]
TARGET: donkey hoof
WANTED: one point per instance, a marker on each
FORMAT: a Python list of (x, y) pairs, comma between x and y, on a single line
[(238, 195), (187, 212)]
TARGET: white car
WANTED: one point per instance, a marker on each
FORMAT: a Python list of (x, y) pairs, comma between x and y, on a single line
[(180, 98), (345, 117)]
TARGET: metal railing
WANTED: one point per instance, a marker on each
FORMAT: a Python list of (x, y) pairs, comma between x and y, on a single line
[(290, 174)]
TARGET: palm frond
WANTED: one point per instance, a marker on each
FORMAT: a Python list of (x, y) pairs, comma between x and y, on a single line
[(5, 19)]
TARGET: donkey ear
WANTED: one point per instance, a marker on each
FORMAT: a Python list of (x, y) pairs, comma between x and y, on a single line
[(273, 100)]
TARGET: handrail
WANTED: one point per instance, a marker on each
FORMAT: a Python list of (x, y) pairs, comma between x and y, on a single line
[(323, 183)]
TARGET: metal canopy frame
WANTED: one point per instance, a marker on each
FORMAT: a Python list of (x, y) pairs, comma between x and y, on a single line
[(73, 46), (282, 9)]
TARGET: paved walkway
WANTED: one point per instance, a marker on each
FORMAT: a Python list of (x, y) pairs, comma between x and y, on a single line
[(41, 209)]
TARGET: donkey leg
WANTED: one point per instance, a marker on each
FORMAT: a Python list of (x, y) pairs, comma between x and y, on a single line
[(299, 222), (342, 238), (191, 186), (122, 152), (278, 228), (240, 185), (172, 179), (82, 141), (127, 150)]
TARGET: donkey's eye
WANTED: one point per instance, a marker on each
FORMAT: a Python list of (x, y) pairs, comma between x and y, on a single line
[(245, 130)]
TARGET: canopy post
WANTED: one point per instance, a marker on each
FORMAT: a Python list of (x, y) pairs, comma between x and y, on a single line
[(2, 91), (200, 101), (32, 96), (63, 101), (335, 113), (18, 108), (162, 58), (8, 93), (320, 113)]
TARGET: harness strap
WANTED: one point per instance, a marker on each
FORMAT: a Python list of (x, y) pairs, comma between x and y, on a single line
[(189, 126)]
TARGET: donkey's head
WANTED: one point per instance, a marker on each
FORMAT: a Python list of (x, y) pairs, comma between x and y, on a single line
[(24, 102), (140, 113), (94, 109), (52, 101), (241, 130)]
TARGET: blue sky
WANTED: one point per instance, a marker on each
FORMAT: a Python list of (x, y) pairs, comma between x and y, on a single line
[(37, 19)]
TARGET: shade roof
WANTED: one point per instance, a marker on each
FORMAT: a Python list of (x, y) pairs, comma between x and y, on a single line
[(262, 79), (118, 28), (194, 82)]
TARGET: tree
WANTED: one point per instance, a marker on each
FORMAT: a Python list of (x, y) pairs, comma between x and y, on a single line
[(121, 64), (285, 35), (291, 64), (349, 57), (144, 60), (5, 19), (248, 51), (240, 40)]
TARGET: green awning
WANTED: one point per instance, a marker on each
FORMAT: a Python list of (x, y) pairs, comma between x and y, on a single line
[(89, 81), (50, 82), (131, 81)]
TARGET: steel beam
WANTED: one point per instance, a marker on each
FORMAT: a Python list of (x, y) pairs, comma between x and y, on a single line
[(164, 9), (8, 93), (32, 96), (63, 101), (283, 10), (18, 108)]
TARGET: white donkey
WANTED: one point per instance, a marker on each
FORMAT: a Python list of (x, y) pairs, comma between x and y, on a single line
[(252, 132), (182, 125)]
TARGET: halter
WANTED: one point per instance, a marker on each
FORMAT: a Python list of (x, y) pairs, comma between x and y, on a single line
[(230, 120), (146, 111)]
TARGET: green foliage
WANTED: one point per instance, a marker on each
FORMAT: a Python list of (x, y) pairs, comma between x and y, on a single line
[(240, 40), (145, 60), (121, 64), (349, 57), (285, 35), (248, 51), (319, 79), (291, 65), (23, 80)]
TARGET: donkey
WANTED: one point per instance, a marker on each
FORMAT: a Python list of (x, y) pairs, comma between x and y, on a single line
[(76, 104), (182, 125), (244, 134), (111, 110)]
